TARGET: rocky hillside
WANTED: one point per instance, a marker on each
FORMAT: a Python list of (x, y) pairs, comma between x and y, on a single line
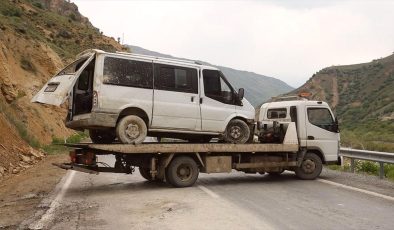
[(362, 96), (37, 38), (258, 88)]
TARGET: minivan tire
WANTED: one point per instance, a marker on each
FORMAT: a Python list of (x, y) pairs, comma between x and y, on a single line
[(237, 132), (99, 136), (131, 130)]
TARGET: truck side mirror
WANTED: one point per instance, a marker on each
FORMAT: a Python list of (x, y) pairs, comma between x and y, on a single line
[(241, 93)]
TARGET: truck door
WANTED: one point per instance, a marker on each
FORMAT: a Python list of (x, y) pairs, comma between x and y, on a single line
[(176, 100), (321, 131), (57, 89)]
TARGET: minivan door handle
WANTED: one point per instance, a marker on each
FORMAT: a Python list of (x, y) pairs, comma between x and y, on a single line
[(200, 100), (311, 138), (192, 99)]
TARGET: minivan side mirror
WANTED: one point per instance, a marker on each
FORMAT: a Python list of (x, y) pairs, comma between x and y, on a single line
[(241, 93)]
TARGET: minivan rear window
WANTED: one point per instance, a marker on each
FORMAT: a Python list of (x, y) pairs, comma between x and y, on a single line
[(124, 72)]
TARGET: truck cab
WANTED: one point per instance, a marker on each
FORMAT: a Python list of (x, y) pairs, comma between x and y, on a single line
[(317, 128)]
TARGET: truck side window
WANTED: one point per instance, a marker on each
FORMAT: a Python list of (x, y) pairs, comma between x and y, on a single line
[(216, 88), (174, 78), (124, 72), (277, 113), (321, 117)]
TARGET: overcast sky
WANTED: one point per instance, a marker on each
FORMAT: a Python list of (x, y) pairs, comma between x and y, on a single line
[(288, 40)]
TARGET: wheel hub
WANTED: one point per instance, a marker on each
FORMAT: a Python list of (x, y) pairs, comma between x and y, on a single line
[(235, 132), (184, 172), (308, 166), (132, 131)]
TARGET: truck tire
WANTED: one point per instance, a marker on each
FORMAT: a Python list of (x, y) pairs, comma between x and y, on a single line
[(276, 173), (182, 172), (237, 132), (131, 130), (102, 136), (310, 168), (145, 173)]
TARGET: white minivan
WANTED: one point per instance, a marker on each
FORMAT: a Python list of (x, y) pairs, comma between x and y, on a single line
[(131, 96)]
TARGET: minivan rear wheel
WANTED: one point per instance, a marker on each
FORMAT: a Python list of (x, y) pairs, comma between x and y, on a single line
[(131, 130), (237, 132), (99, 136)]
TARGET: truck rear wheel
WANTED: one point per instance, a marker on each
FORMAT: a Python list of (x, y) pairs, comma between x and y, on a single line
[(310, 168), (102, 136), (131, 130), (182, 172), (237, 132)]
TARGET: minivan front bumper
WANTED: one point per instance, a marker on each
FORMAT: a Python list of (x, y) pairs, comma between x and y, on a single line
[(93, 120)]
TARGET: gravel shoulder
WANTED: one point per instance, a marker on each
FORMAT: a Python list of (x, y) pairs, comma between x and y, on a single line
[(363, 181), (21, 194)]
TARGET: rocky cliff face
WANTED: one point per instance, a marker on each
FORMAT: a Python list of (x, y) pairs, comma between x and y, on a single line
[(37, 38)]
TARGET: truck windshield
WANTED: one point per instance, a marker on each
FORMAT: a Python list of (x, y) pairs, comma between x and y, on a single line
[(73, 67)]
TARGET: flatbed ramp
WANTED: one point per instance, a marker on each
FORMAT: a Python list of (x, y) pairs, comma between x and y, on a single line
[(186, 148)]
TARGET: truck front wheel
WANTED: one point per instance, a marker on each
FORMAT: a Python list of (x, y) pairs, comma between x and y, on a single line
[(182, 172), (310, 168)]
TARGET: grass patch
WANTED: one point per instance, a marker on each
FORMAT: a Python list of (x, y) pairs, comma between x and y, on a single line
[(57, 147), (368, 167)]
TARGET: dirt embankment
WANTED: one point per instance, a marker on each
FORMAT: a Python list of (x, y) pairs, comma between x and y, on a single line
[(37, 39)]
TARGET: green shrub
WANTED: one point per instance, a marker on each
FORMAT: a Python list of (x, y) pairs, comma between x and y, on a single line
[(26, 64), (38, 5), (12, 12)]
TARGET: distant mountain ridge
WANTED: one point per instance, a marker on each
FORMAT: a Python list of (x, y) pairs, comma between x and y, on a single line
[(258, 88)]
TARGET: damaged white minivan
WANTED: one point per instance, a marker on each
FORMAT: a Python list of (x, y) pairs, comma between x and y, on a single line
[(127, 97)]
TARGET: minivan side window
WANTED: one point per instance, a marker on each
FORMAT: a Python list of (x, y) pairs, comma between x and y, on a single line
[(321, 117), (277, 113), (124, 72), (216, 88), (175, 78)]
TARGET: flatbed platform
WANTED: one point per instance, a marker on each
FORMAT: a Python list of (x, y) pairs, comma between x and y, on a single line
[(184, 147)]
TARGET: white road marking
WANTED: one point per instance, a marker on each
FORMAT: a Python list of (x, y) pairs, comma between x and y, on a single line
[(208, 191), (48, 215), (356, 189)]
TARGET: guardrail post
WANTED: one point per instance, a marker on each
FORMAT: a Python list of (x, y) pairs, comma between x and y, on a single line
[(352, 165), (381, 170)]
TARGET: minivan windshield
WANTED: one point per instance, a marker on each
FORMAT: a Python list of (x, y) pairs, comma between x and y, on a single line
[(73, 67)]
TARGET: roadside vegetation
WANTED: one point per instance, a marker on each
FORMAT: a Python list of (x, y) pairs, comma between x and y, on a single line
[(57, 147)]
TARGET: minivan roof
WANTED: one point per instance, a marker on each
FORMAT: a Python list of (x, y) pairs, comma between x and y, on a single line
[(173, 61)]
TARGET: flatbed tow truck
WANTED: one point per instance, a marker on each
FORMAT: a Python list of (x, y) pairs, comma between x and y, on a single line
[(180, 163)]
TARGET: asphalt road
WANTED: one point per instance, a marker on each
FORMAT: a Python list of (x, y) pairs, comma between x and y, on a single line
[(217, 201)]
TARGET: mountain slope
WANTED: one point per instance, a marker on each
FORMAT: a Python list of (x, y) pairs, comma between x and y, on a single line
[(362, 96), (258, 88), (37, 38)]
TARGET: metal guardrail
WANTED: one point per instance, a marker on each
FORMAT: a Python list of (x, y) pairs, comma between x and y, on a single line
[(357, 154)]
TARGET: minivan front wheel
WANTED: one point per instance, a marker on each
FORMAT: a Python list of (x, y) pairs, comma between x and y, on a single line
[(131, 130), (237, 132)]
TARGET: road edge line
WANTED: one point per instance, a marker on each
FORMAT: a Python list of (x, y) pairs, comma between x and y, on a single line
[(208, 191), (356, 189), (48, 215)]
